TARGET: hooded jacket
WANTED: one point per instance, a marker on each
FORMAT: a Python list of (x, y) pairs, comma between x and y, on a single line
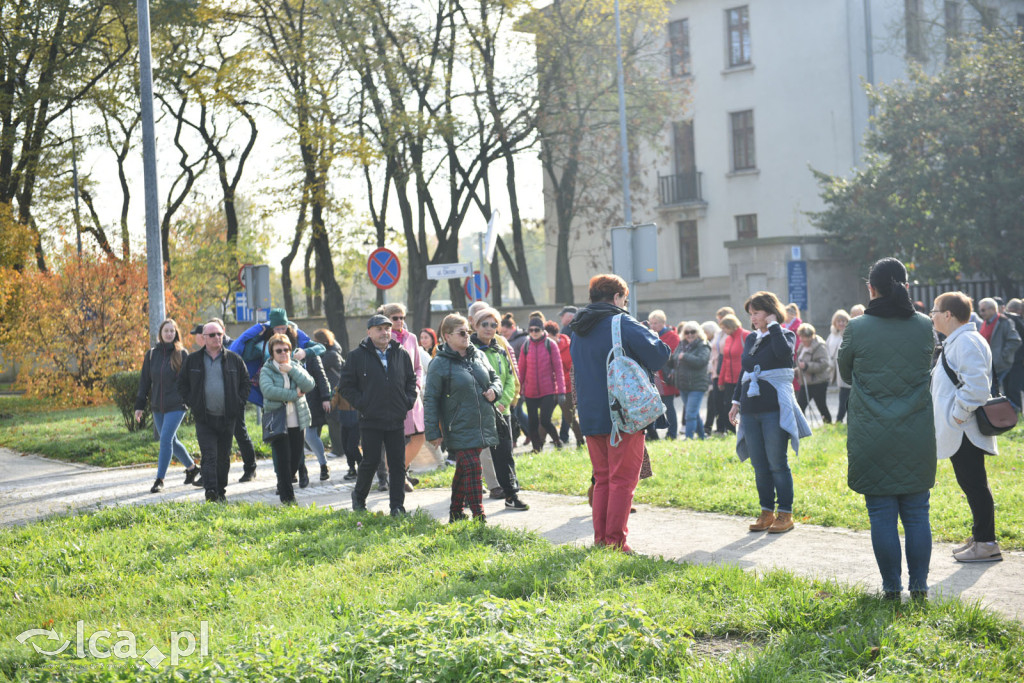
[(591, 342), (498, 358), (454, 406)]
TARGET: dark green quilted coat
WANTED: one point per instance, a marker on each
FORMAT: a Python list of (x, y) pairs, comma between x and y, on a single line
[(890, 441)]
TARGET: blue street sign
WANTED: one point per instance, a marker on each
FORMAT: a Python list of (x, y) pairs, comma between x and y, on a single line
[(477, 287), (384, 268), (796, 272)]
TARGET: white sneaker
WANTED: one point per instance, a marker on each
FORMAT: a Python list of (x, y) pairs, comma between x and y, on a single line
[(980, 552)]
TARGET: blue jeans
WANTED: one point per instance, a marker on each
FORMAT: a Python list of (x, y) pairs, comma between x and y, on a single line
[(691, 409), (671, 417), (167, 426), (912, 509), (316, 444), (768, 446)]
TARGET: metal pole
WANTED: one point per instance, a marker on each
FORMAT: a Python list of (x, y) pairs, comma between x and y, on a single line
[(627, 204), (869, 45), (74, 184), (483, 264), (624, 148), (154, 255)]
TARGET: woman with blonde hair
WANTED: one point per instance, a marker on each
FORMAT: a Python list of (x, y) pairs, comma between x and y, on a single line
[(690, 360), (458, 409), (284, 385), (159, 384), (840, 319), (812, 365)]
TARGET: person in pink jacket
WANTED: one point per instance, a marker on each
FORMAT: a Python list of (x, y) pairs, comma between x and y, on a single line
[(541, 374), (414, 429)]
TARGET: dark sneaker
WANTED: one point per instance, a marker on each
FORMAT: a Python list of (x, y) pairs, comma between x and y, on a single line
[(497, 493), (408, 486), (382, 485), (411, 479), (357, 504), (351, 476), (211, 496), (248, 475), (514, 503), (157, 487), (325, 473), (398, 512), (190, 475), (303, 478)]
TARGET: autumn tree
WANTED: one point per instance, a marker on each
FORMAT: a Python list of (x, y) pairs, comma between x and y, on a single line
[(941, 186)]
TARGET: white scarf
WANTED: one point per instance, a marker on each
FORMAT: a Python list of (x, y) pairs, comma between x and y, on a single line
[(289, 406)]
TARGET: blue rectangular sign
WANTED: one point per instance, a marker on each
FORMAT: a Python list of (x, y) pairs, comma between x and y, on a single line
[(796, 272)]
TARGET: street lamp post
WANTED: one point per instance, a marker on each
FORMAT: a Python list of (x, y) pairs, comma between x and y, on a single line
[(154, 253)]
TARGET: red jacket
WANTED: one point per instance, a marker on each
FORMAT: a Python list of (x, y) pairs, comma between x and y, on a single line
[(540, 369), (563, 349), (732, 355), (671, 338)]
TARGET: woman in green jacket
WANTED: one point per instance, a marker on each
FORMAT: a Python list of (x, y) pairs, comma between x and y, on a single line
[(461, 386), (886, 357), (485, 339), (283, 384)]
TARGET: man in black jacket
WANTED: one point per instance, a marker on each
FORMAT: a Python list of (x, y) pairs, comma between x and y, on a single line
[(214, 383), (379, 382)]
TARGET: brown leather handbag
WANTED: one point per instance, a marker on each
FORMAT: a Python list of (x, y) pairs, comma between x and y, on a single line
[(996, 417)]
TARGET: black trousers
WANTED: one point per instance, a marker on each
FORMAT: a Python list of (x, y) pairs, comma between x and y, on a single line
[(725, 392), (969, 467), (844, 399), (214, 436), (816, 393), (245, 445), (712, 406), (393, 441), (538, 413), (288, 456), (504, 463)]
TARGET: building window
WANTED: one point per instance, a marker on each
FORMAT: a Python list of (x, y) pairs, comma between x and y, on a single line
[(689, 252), (989, 18), (743, 140), (738, 23), (746, 227), (679, 47), (914, 29)]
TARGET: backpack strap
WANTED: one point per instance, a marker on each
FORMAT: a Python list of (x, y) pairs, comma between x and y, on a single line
[(617, 335), (957, 382)]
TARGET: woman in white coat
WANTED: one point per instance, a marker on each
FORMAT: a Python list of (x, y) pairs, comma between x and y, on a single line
[(956, 428)]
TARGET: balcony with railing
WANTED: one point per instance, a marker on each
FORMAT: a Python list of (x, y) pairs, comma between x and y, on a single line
[(682, 188)]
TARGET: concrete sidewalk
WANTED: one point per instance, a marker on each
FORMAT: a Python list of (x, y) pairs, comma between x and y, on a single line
[(32, 487)]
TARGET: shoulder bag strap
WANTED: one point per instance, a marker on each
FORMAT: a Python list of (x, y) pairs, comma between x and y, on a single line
[(957, 382), (617, 335)]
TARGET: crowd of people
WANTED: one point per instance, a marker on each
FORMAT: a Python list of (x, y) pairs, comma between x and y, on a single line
[(908, 384)]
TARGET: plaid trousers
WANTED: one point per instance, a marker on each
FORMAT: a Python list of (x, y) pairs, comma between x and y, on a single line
[(466, 488)]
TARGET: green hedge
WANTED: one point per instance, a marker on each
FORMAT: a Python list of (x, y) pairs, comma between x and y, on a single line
[(122, 388)]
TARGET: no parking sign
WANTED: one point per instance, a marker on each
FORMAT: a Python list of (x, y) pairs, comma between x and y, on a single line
[(384, 268), (478, 286)]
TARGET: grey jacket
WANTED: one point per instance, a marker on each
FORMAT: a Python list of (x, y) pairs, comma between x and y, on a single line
[(1004, 343)]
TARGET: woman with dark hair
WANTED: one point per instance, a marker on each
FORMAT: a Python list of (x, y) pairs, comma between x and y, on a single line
[(283, 384), (616, 467), (771, 417), (428, 341), (543, 382), (159, 383), (886, 356), (956, 396)]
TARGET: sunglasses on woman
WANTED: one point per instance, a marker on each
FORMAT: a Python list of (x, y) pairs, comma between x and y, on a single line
[(282, 349), (489, 324)]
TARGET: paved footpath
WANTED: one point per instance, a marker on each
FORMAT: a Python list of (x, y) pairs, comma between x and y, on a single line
[(32, 487)]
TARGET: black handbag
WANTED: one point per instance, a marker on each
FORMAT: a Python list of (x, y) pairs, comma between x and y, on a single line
[(996, 417), (275, 423)]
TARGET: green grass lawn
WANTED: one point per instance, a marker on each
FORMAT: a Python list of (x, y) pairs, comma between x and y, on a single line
[(307, 594), (707, 476), (92, 436)]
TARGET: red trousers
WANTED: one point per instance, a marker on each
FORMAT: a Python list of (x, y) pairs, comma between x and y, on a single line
[(616, 474)]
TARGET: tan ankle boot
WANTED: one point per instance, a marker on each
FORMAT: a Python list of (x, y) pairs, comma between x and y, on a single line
[(764, 521), (782, 523)]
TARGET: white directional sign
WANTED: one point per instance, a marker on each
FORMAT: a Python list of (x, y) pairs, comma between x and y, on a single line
[(447, 271)]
